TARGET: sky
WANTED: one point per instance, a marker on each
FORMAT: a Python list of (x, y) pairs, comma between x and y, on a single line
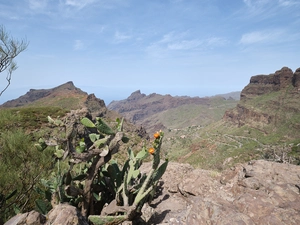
[(179, 47)]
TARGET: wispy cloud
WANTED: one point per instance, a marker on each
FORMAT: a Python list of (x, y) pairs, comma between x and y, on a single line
[(37, 4), (78, 45), (257, 3), (216, 41), (79, 3), (267, 8), (185, 44), (182, 42), (121, 37), (267, 36), (288, 3)]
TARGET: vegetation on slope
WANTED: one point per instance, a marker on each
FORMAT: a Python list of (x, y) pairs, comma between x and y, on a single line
[(21, 164), (222, 144)]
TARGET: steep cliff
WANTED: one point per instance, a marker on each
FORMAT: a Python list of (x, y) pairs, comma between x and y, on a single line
[(269, 101)]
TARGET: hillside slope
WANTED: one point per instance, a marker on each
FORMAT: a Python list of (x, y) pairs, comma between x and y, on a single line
[(264, 124), (65, 95), (37, 104)]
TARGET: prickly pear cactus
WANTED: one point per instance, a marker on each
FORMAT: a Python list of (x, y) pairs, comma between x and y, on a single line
[(132, 187), (87, 178)]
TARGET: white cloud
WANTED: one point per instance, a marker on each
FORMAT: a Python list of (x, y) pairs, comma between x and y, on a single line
[(182, 41), (121, 37), (257, 3), (37, 4), (263, 8), (247, 2), (185, 44), (79, 3), (216, 41), (182, 44), (288, 2), (269, 36), (78, 45)]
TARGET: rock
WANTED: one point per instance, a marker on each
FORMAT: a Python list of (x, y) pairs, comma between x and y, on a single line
[(260, 192), (296, 79), (61, 214), (263, 84), (31, 218), (95, 105), (65, 214), (136, 96)]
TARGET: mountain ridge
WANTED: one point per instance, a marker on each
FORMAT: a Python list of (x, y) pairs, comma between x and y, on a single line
[(152, 111), (33, 95)]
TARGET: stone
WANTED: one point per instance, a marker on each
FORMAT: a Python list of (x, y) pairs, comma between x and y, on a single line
[(61, 214)]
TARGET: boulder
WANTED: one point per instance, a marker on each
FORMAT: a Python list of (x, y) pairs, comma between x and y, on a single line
[(60, 214)]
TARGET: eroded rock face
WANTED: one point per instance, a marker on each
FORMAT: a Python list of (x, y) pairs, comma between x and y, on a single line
[(259, 192), (296, 78), (267, 99), (263, 84)]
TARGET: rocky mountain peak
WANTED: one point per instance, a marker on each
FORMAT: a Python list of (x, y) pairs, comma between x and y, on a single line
[(69, 85), (135, 96)]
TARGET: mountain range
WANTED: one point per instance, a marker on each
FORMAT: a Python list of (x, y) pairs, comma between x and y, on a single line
[(209, 132), (213, 144)]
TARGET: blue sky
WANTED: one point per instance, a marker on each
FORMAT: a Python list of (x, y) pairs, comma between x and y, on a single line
[(179, 47)]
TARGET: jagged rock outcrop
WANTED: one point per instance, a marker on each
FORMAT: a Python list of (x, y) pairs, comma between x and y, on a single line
[(136, 96), (95, 105), (263, 84), (296, 79), (267, 99), (259, 192)]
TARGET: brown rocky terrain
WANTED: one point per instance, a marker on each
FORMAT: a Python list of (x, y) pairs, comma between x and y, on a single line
[(258, 192), (134, 106)]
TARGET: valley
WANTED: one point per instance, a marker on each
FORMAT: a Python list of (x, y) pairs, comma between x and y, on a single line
[(213, 142)]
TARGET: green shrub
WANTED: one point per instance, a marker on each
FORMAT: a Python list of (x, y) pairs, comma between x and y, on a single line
[(21, 167)]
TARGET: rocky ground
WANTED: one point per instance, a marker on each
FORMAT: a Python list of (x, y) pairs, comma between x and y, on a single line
[(259, 192)]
